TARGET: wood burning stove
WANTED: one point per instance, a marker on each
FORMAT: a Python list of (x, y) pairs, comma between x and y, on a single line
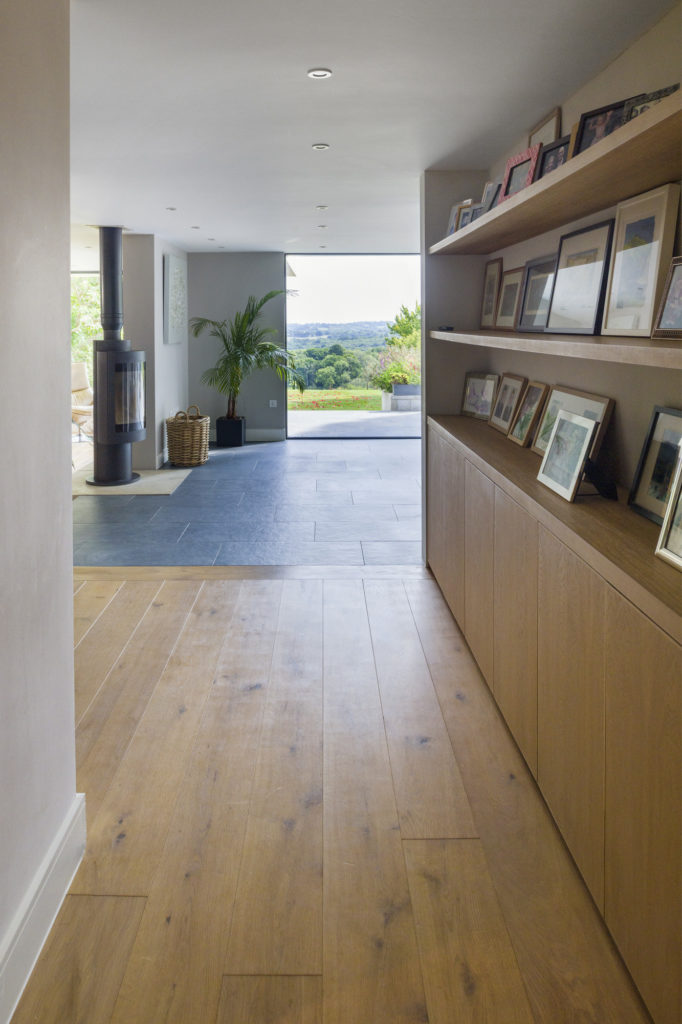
[(119, 378)]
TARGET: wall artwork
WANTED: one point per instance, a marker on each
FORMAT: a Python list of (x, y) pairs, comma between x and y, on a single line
[(661, 453), (669, 546), (175, 325), (564, 460)]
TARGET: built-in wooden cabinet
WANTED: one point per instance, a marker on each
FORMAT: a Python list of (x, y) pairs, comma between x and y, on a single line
[(445, 521), (479, 525), (515, 629), (643, 840), (570, 672)]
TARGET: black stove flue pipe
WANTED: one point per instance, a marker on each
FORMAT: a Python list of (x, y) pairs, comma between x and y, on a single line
[(118, 377)]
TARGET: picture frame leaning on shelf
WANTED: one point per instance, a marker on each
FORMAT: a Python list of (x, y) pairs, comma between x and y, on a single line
[(669, 545)]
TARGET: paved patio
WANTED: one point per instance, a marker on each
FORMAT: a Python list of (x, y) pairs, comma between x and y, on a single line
[(310, 423), (294, 502)]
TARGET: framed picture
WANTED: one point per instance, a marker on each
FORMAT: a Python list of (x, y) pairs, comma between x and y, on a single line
[(465, 216), (175, 322), (580, 280), (536, 292), (568, 448), (491, 195), (546, 131), (508, 299), (519, 172), (591, 407), (477, 211), (660, 455), (479, 394), (491, 287), (642, 247), (506, 401), (669, 316), (455, 212), (528, 413), (638, 104), (595, 125), (552, 156), (669, 546)]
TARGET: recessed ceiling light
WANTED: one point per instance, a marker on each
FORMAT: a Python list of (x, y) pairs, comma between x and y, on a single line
[(321, 208), (323, 247), (321, 225), (320, 73), (211, 239), (195, 227), (171, 207), (320, 145)]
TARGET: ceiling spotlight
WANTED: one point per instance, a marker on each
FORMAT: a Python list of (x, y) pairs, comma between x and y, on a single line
[(171, 207), (319, 73), (320, 145), (321, 225), (195, 227), (322, 246), (321, 209), (211, 239)]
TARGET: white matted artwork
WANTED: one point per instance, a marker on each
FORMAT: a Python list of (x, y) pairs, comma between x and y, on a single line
[(564, 461), (174, 300)]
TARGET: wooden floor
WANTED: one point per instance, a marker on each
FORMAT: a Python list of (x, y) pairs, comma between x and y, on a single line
[(303, 807)]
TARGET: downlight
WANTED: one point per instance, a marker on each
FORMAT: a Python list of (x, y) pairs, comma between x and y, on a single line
[(319, 73)]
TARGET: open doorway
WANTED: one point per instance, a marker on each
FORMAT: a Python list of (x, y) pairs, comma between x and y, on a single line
[(354, 330)]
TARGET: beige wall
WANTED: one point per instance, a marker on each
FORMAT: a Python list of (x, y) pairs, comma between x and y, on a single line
[(38, 803)]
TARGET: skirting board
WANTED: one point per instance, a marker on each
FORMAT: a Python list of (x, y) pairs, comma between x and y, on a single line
[(39, 907)]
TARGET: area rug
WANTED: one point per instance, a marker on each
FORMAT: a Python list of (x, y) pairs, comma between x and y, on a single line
[(152, 481)]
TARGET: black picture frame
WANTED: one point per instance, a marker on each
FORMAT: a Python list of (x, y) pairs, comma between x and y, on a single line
[(552, 156), (536, 293), (636, 105), (660, 455), (595, 125), (577, 303)]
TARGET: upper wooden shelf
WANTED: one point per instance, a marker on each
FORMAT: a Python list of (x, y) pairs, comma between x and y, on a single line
[(609, 349), (637, 157)]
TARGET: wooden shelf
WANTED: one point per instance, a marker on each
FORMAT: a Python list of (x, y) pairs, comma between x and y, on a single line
[(617, 542), (623, 350), (637, 157)]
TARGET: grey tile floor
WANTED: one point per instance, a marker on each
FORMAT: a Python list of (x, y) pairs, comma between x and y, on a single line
[(295, 502)]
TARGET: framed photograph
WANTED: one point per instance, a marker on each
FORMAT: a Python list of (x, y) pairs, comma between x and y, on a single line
[(660, 455), (455, 212), (479, 394), (528, 413), (669, 316), (519, 172), (465, 217), (638, 104), (580, 281), (546, 131), (595, 125), (491, 195), (568, 448), (508, 299), (642, 248), (669, 546), (591, 407), (175, 322), (491, 287), (552, 156), (477, 211), (536, 292), (507, 401)]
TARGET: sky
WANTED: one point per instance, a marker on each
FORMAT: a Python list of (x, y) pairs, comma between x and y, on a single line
[(341, 289)]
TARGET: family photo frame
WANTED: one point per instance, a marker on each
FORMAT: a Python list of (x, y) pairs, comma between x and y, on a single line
[(492, 277), (594, 407), (658, 460), (669, 317), (536, 293), (567, 451), (528, 413), (480, 389), (508, 299), (580, 280), (669, 546), (506, 401)]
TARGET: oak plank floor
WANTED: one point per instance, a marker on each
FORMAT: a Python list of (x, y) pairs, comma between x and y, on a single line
[(290, 854)]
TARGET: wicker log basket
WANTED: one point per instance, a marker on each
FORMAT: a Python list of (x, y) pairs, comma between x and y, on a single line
[(187, 434)]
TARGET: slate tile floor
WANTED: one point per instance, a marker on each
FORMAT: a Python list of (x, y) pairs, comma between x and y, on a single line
[(296, 502)]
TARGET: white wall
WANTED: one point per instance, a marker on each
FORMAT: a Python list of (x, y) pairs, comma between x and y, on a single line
[(219, 286), (143, 326), (42, 820)]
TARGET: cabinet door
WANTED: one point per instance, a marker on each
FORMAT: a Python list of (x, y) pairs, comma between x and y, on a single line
[(445, 520), (515, 610), (479, 524), (571, 609), (643, 863)]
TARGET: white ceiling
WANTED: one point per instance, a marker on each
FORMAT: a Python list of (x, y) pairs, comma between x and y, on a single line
[(206, 106)]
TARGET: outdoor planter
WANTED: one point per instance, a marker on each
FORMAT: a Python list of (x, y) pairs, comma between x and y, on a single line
[(406, 390), (230, 433)]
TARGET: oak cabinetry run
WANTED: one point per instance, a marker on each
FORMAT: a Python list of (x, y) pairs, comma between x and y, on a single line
[(643, 849), (479, 525), (445, 521), (515, 629), (570, 668)]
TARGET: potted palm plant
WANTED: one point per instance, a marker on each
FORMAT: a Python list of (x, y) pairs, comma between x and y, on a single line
[(246, 347)]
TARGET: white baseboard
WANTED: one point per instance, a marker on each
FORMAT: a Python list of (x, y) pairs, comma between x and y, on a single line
[(35, 916), (269, 434)]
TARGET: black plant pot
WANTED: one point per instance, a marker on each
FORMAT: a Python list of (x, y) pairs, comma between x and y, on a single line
[(230, 433)]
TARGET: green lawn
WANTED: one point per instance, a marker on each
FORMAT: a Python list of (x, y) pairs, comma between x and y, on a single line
[(356, 399)]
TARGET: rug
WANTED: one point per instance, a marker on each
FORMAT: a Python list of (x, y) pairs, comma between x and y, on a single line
[(152, 481)]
